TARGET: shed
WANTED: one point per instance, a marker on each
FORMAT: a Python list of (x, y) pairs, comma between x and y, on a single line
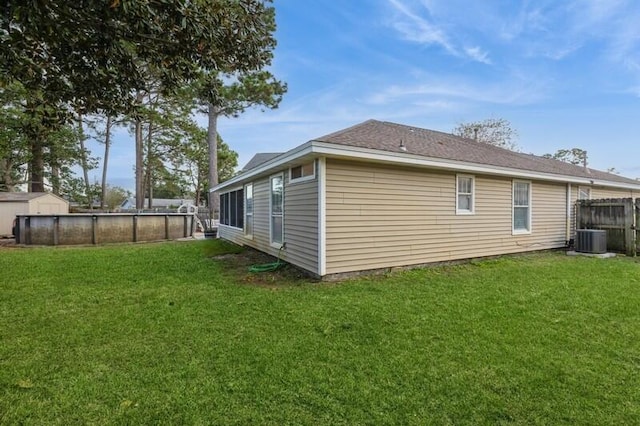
[(19, 203)]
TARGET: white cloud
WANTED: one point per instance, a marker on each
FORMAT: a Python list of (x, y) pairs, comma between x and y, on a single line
[(445, 90), (420, 29), (477, 54)]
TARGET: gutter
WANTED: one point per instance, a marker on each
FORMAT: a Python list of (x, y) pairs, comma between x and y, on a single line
[(330, 150)]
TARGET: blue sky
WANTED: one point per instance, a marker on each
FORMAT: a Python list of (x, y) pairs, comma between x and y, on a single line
[(564, 73)]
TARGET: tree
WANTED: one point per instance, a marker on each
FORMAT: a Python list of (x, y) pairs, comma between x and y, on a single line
[(91, 56), (160, 125), (227, 161), (96, 53), (114, 196), (258, 88), (13, 142), (494, 131), (64, 150), (105, 160), (575, 156), (19, 118), (84, 161), (192, 162)]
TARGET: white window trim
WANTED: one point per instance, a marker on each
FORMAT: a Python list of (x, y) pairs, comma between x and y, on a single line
[(304, 178), (271, 243), (246, 235), (581, 188), (229, 212), (473, 195), (521, 231)]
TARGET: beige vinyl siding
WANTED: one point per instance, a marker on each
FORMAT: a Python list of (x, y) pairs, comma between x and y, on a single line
[(380, 216), (261, 236), (260, 239), (599, 193), (231, 233), (300, 222)]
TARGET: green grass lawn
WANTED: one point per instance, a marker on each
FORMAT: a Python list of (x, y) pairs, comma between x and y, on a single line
[(165, 334)]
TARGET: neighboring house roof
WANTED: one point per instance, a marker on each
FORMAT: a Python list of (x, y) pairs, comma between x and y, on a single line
[(382, 141), (260, 158), (24, 196)]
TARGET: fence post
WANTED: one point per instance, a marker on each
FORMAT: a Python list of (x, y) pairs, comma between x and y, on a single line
[(637, 224), (56, 230), (184, 227), (578, 215), (94, 229), (27, 228), (629, 234), (135, 228)]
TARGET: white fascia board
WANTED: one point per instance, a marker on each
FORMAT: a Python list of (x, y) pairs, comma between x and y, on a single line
[(357, 153), (267, 167)]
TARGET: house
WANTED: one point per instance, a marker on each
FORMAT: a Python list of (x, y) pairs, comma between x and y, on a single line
[(156, 203), (380, 195), (28, 203)]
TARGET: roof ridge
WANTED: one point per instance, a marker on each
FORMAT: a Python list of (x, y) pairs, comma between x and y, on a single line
[(348, 129), (260, 158), (451, 135)]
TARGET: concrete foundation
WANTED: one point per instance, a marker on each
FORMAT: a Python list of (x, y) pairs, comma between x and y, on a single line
[(598, 255)]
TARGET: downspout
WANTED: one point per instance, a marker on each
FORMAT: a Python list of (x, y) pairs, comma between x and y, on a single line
[(322, 216), (568, 218)]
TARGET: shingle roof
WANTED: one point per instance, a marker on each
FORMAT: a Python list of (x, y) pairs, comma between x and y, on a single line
[(386, 136), (20, 196), (258, 159)]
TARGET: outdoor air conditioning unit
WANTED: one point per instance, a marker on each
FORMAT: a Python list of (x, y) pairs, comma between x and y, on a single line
[(591, 241)]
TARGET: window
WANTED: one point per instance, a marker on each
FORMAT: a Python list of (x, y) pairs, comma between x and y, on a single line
[(248, 209), (276, 209), (231, 208), (303, 172), (224, 209), (465, 187), (521, 207), (584, 193)]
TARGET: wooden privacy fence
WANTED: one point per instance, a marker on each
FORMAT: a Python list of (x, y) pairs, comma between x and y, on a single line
[(618, 216)]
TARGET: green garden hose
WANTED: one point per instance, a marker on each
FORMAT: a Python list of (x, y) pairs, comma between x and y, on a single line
[(268, 267)]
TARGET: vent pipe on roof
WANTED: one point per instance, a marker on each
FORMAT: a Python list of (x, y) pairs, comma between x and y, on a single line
[(475, 134), (402, 146)]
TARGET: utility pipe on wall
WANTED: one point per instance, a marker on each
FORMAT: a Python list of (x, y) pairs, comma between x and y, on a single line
[(568, 218)]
